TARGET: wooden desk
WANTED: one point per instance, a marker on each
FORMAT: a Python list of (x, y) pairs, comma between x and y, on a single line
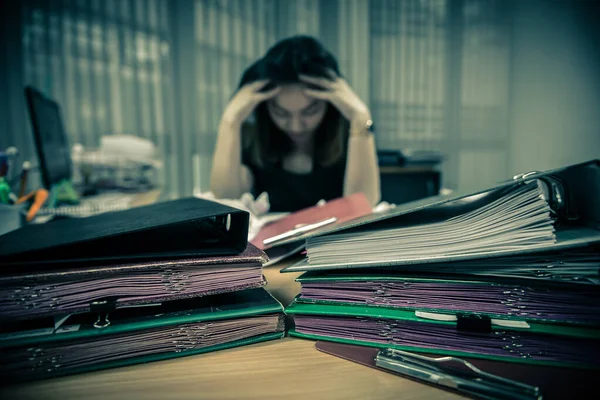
[(146, 198), (282, 369), (283, 286), (289, 368)]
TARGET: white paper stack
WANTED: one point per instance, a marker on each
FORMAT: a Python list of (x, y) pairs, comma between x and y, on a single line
[(519, 219)]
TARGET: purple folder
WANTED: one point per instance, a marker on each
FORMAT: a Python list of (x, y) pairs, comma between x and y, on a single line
[(579, 305), (80, 289)]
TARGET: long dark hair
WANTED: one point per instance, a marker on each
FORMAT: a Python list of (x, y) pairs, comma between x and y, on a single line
[(282, 64)]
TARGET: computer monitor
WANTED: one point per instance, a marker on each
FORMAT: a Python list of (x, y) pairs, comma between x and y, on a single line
[(52, 146)]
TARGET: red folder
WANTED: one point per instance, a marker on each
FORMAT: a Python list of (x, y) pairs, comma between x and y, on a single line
[(331, 213)]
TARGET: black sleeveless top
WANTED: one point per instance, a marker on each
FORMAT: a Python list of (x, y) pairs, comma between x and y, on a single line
[(289, 191)]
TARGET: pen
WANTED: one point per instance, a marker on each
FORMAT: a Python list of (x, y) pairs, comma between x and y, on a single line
[(41, 195), (471, 381), (23, 199), (301, 229)]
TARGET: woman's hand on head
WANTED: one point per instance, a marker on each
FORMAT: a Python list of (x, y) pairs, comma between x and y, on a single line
[(245, 101), (339, 93)]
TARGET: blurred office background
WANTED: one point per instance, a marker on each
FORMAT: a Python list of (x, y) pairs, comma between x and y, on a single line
[(498, 86)]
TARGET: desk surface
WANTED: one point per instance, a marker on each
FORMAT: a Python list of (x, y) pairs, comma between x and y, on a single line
[(288, 368), (283, 369), (145, 198)]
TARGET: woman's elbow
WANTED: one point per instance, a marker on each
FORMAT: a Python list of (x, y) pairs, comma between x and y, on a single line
[(217, 190), (223, 192), (224, 188), (375, 189), (375, 197), (219, 187)]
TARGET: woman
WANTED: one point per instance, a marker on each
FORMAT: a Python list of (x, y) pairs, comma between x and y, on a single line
[(309, 140)]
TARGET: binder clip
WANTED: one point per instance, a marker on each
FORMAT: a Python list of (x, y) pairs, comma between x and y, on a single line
[(557, 193), (456, 374), (473, 323), (103, 308)]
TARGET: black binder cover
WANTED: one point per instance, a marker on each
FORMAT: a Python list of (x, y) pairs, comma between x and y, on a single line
[(188, 227)]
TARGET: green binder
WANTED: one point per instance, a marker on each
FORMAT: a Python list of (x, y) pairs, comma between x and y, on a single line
[(495, 297), (461, 335), (93, 341)]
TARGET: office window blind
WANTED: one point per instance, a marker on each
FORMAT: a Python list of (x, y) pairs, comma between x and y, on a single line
[(106, 62), (485, 56), (485, 60), (230, 35), (438, 61), (408, 72)]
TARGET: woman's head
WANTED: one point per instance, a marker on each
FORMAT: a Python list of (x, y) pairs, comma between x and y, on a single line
[(292, 118)]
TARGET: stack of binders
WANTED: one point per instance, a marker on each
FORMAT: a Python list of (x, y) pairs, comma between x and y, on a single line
[(509, 273), (128, 287)]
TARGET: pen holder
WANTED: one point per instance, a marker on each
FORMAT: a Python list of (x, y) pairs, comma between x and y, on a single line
[(11, 217)]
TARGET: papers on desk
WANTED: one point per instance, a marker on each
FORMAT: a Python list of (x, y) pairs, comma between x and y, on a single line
[(27, 296), (518, 218), (504, 273), (134, 286), (142, 334), (92, 205), (405, 331), (452, 293), (121, 161)]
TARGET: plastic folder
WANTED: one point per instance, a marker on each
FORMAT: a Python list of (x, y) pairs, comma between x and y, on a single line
[(461, 335), (85, 342), (180, 228), (81, 288), (536, 213)]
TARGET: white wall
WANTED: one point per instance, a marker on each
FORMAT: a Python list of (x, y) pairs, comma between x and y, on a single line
[(556, 86)]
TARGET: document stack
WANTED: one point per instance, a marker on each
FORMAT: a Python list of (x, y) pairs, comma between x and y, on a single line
[(509, 273), (149, 283)]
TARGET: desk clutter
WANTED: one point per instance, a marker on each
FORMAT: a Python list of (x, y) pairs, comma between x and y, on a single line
[(127, 287), (124, 163), (508, 274), (503, 276), (74, 182)]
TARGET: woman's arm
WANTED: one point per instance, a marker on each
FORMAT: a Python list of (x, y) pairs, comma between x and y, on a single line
[(362, 166), (229, 178)]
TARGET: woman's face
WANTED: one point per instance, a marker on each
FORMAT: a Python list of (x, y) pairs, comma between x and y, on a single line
[(295, 113)]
